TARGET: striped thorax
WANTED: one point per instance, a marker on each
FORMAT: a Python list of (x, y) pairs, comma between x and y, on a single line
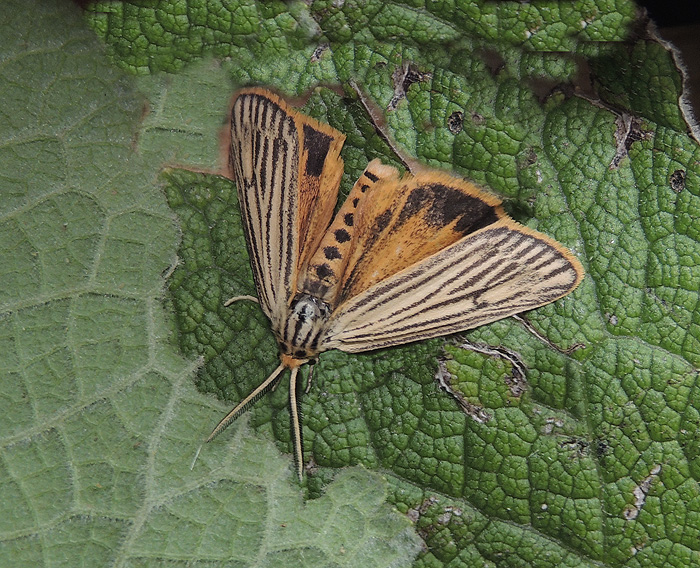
[(300, 337)]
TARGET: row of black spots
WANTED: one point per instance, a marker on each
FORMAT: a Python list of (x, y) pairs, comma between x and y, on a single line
[(342, 235)]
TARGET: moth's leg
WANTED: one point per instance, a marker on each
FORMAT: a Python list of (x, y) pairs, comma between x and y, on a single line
[(543, 339), (377, 118), (310, 376), (237, 298)]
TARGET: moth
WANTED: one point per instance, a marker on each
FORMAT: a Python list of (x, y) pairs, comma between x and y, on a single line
[(405, 258)]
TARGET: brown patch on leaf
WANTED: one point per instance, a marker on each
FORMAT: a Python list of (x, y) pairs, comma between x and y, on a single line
[(319, 51), (455, 122), (629, 130), (494, 61), (403, 77), (677, 181)]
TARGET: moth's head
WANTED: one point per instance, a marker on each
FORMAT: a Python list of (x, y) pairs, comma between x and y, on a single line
[(300, 333)]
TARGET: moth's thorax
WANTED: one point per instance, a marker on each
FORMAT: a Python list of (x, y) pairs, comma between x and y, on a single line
[(300, 334)]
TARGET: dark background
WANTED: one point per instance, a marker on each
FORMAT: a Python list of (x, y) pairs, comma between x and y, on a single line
[(679, 23)]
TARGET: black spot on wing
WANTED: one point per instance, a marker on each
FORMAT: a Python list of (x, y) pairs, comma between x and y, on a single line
[(441, 205), (324, 271), (349, 219), (316, 144)]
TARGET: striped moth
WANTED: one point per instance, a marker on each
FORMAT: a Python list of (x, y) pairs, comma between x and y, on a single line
[(405, 258)]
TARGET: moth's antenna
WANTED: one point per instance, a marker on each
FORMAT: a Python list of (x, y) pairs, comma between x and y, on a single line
[(379, 122), (194, 461), (239, 298), (231, 416), (241, 407), (250, 399), (296, 426)]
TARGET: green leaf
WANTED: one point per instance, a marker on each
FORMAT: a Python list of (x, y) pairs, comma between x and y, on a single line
[(581, 459), (595, 463), (100, 418)]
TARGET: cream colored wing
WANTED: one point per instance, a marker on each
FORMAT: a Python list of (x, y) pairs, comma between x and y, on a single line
[(493, 273), (287, 168)]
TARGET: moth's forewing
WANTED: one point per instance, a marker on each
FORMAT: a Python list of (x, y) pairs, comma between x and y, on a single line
[(287, 168)]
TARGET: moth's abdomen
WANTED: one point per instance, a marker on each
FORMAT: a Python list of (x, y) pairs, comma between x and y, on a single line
[(326, 266), (300, 334)]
